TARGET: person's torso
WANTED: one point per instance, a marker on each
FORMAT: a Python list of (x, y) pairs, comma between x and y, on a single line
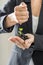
[(27, 28)]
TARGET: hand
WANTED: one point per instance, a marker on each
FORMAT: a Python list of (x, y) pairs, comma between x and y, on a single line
[(29, 41), (10, 20), (18, 41), (21, 43), (21, 13)]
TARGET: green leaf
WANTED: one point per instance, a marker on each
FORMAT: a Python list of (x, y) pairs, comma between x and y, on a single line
[(20, 29)]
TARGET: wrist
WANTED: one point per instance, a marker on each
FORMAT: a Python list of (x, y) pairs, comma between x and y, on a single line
[(11, 20), (6, 28)]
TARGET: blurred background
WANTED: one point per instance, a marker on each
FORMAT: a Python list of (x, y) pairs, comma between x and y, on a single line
[(5, 45)]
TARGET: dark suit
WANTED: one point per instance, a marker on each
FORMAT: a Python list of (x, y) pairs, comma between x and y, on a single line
[(38, 54), (38, 44)]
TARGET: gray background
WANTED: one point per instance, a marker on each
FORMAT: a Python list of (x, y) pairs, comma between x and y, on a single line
[(5, 45)]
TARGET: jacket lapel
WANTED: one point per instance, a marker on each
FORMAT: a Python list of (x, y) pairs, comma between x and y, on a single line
[(40, 24), (30, 18)]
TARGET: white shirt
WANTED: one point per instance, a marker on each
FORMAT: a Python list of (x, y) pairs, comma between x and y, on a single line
[(34, 23)]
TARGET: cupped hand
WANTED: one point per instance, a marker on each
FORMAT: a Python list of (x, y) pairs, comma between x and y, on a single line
[(23, 44)]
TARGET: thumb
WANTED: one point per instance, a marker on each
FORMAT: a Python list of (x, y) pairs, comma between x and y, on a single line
[(28, 41)]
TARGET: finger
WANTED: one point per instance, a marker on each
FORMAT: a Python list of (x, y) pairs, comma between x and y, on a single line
[(23, 4), (29, 35), (22, 21), (22, 17), (27, 43), (19, 8), (22, 13), (19, 39), (17, 43)]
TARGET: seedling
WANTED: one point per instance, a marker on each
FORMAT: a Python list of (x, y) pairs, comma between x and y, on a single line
[(20, 34)]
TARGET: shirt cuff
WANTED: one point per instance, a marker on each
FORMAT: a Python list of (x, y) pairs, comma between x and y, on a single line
[(36, 17), (35, 20), (1, 23), (9, 29)]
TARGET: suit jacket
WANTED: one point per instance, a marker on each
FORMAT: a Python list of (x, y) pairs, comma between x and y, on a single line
[(38, 43)]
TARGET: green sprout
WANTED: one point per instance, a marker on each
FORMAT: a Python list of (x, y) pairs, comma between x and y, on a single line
[(20, 31)]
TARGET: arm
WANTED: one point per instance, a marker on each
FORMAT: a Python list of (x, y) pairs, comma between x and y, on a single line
[(15, 17), (36, 7), (8, 8), (38, 44)]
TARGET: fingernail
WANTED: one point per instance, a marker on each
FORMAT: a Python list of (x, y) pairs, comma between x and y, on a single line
[(23, 4), (10, 38)]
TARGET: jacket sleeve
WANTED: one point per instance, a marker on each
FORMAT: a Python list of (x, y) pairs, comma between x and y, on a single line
[(7, 9), (38, 43)]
